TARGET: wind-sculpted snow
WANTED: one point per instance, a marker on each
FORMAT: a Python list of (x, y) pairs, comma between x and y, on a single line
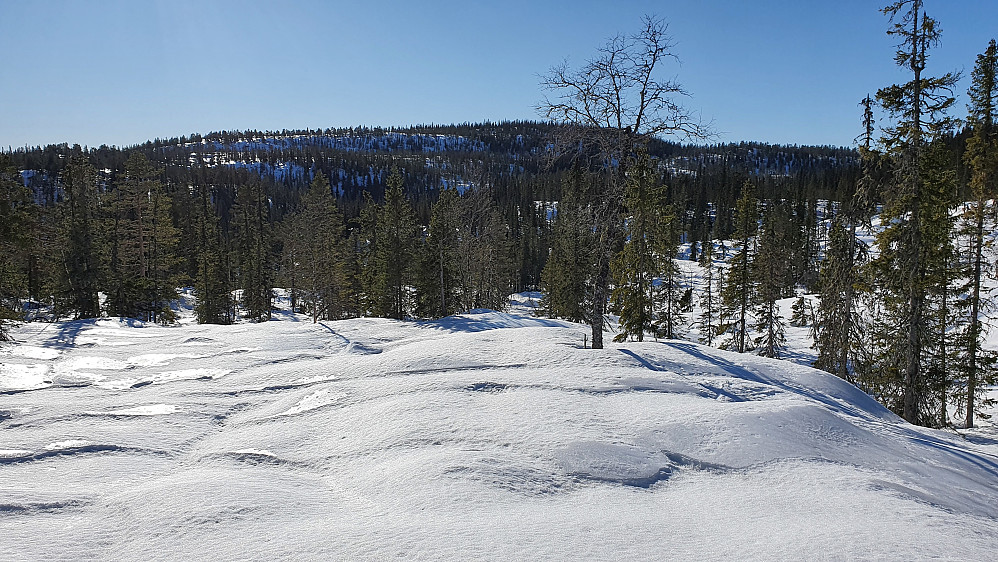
[(480, 436)]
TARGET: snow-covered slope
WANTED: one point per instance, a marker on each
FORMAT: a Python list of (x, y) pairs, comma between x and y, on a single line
[(482, 436)]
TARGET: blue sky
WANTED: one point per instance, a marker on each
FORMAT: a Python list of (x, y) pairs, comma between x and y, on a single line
[(122, 72)]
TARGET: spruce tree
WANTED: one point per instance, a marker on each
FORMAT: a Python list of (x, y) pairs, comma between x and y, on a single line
[(250, 224), (318, 228), (394, 252), (77, 250), (484, 253), (16, 209), (976, 365), (838, 310), (143, 252), (566, 273), (710, 295), (770, 270), (211, 284), (670, 297), (840, 329), (438, 275), (364, 241), (737, 291), (634, 269), (918, 108)]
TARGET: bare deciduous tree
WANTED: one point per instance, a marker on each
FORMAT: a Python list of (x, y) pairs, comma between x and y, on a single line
[(610, 105)]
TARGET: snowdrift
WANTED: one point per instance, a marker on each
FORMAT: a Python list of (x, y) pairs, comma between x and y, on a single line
[(480, 436)]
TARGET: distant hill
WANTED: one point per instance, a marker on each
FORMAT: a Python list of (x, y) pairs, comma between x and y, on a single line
[(498, 155)]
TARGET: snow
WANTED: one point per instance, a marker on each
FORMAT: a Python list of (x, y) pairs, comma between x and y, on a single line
[(148, 410), (485, 435)]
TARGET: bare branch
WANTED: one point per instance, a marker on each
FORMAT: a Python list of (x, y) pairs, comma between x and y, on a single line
[(617, 98)]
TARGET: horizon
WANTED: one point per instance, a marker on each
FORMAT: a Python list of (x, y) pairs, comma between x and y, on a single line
[(362, 66)]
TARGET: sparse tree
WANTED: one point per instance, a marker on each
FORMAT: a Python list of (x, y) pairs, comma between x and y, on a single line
[(770, 270), (737, 292), (918, 108), (613, 103), (978, 365)]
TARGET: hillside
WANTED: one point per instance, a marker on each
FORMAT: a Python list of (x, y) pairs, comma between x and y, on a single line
[(479, 436), (497, 155)]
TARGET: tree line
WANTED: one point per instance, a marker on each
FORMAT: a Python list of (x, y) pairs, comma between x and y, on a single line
[(592, 209), (905, 320)]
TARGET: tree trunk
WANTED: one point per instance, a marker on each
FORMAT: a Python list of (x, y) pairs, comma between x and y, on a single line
[(975, 325), (916, 298), (599, 303)]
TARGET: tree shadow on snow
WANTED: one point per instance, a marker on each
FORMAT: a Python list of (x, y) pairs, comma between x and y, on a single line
[(65, 336), (480, 320), (853, 402)]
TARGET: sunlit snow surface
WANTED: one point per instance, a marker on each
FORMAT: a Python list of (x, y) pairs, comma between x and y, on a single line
[(483, 436)]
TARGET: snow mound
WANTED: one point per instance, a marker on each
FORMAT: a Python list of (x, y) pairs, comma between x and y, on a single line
[(147, 410), (481, 319), (479, 436)]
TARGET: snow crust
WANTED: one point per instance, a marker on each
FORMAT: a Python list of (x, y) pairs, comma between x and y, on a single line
[(483, 436)]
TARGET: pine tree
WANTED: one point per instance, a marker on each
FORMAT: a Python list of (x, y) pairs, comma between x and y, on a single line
[(976, 365), (918, 108), (737, 290)]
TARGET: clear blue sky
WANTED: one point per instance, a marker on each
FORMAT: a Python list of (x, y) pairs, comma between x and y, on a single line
[(122, 72)]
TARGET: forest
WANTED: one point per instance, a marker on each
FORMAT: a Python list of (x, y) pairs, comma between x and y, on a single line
[(591, 210)]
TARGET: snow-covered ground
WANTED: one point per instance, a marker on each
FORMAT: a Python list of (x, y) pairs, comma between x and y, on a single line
[(481, 436)]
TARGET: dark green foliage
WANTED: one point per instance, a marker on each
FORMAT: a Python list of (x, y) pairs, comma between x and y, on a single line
[(975, 365), (438, 275), (918, 108), (319, 253), (770, 270), (211, 287), (143, 258), (77, 274), (568, 270), (710, 295), (252, 250), (737, 291), (839, 324), (393, 255), (635, 268), (364, 241), (484, 253), (16, 223)]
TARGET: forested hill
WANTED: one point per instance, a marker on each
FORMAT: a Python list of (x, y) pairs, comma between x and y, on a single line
[(508, 157)]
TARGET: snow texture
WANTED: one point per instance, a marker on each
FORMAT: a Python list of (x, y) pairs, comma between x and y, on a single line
[(480, 436)]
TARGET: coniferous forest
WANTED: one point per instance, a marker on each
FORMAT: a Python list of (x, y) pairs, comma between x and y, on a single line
[(594, 210)]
